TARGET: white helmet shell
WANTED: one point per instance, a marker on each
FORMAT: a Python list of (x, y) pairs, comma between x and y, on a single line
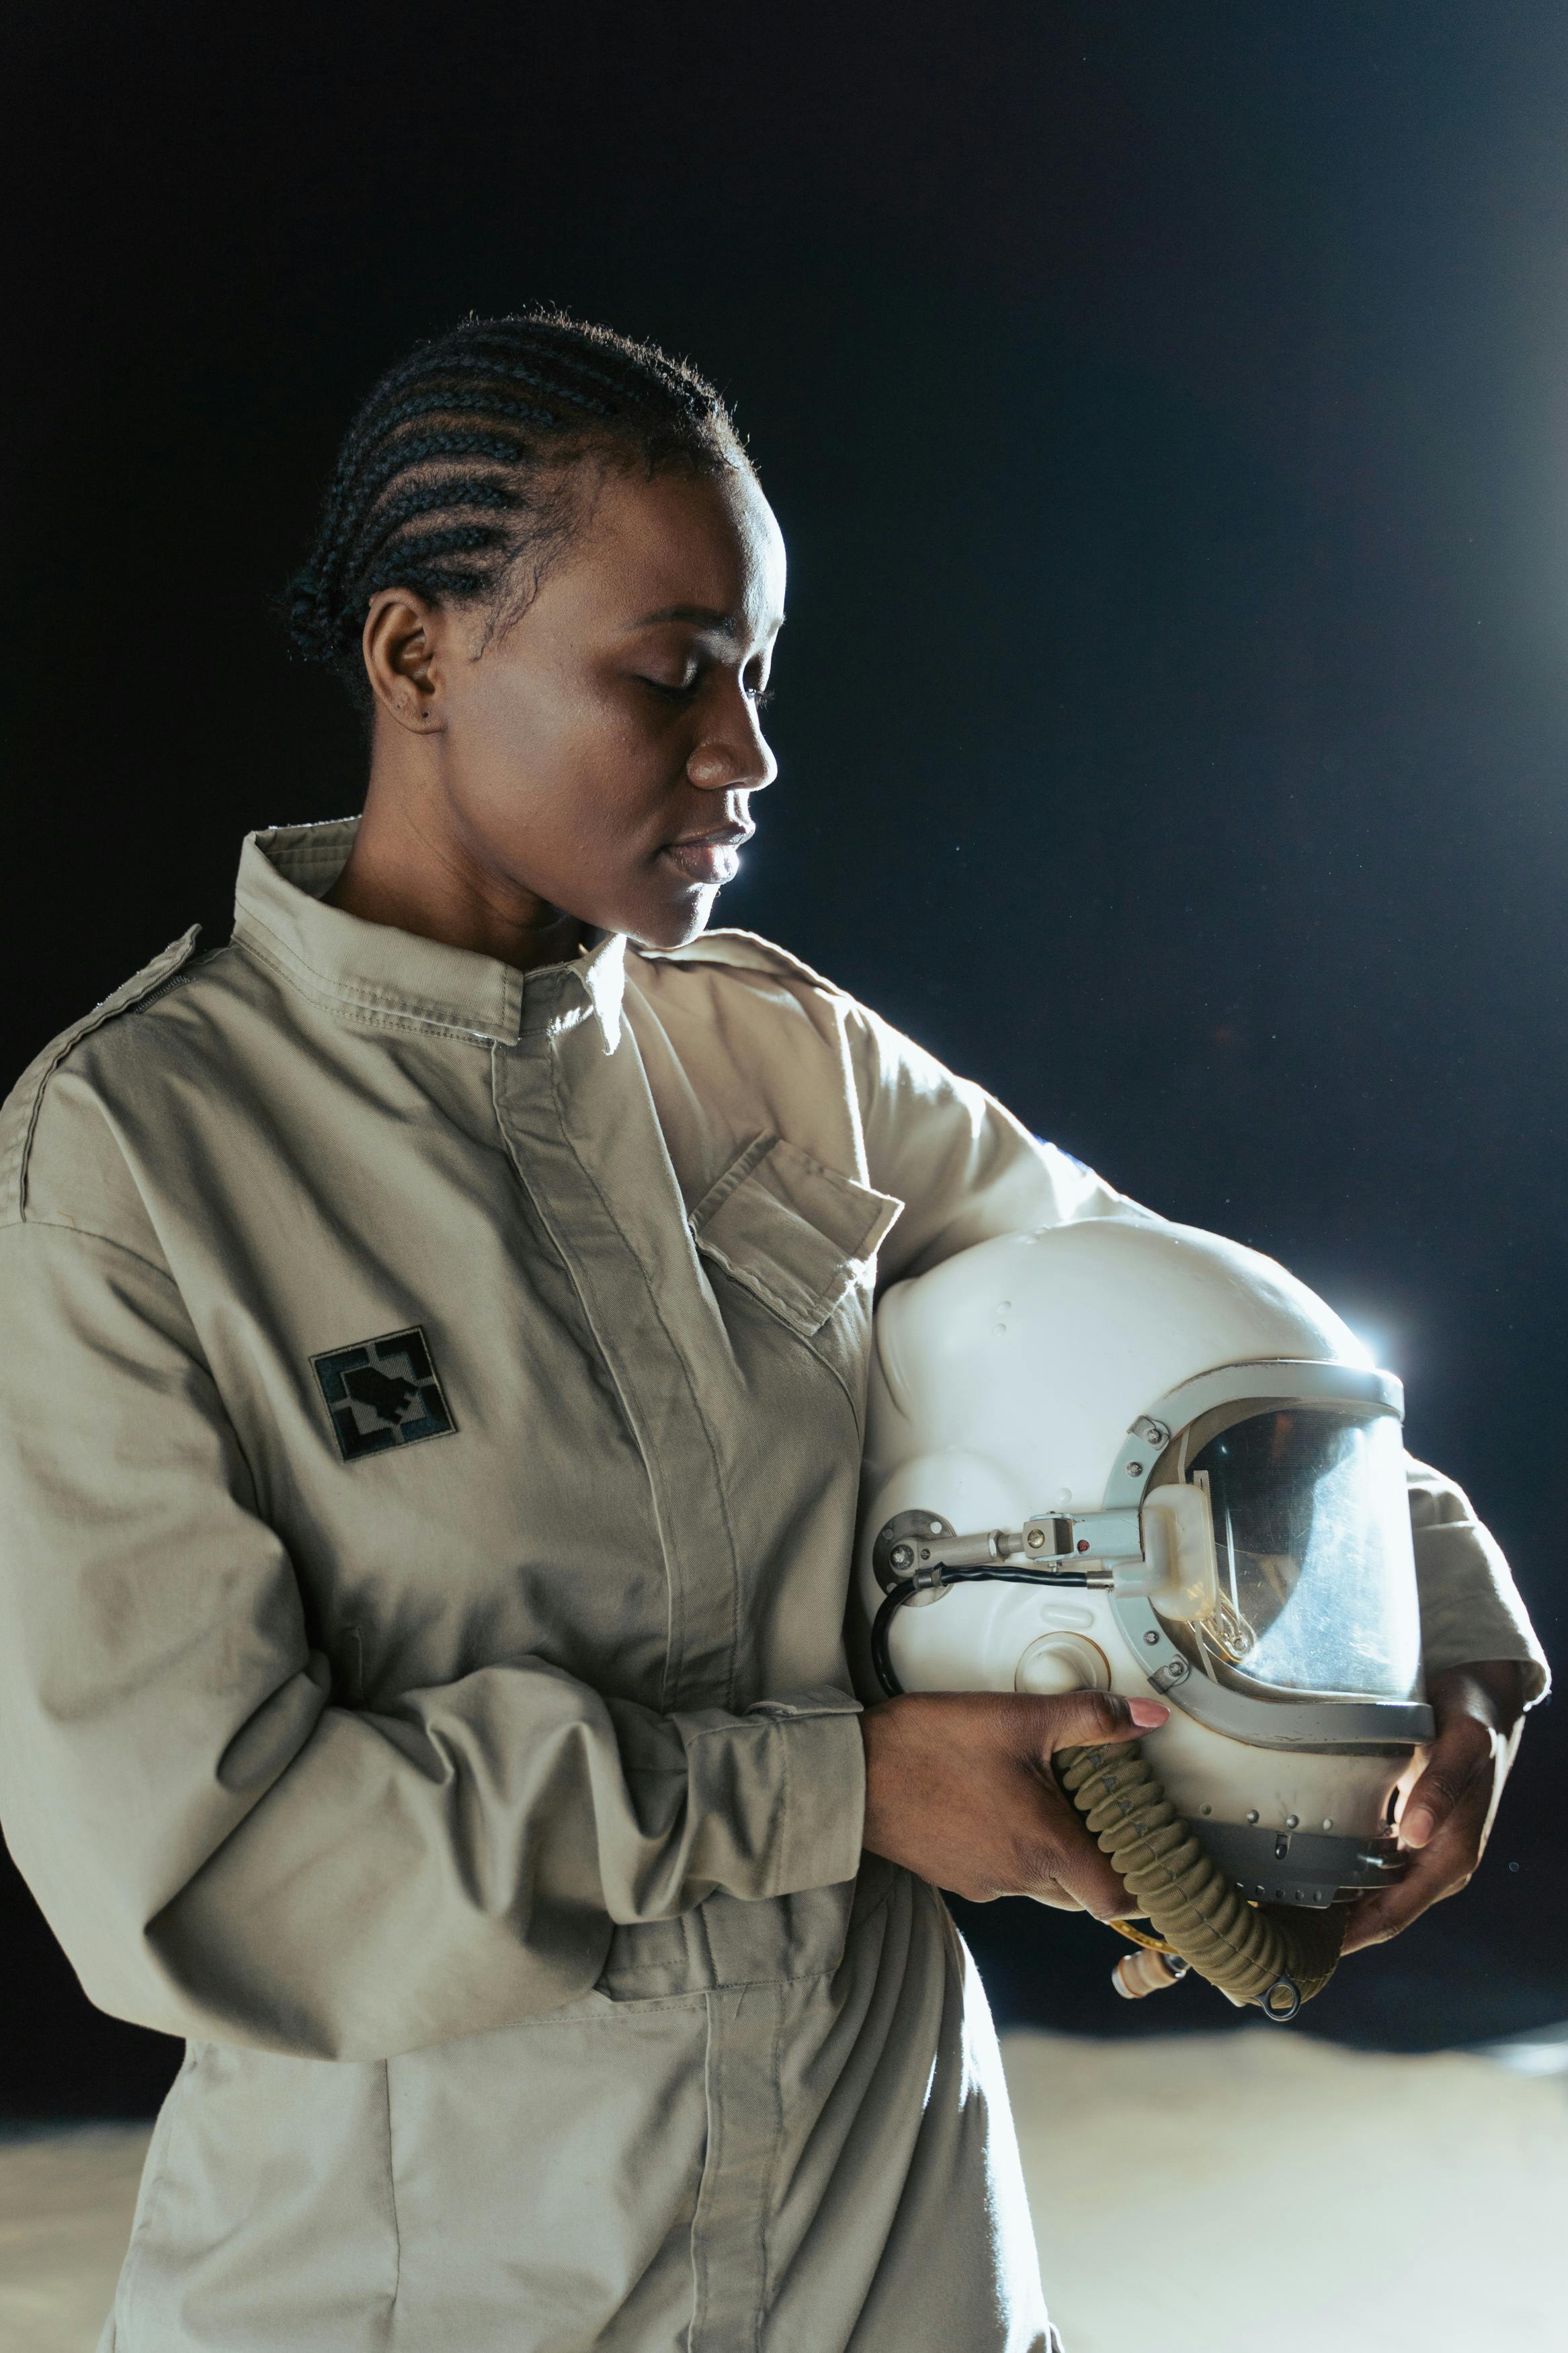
[(1051, 1377), (1051, 1344)]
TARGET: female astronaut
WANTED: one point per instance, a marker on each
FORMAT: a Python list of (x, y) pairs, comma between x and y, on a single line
[(436, 1336)]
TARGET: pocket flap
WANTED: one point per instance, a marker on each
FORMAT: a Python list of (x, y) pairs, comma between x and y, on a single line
[(796, 1234)]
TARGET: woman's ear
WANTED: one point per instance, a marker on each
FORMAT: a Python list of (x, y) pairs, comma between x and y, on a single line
[(402, 659)]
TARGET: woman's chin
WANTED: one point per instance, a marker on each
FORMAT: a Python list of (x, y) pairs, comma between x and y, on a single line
[(674, 922)]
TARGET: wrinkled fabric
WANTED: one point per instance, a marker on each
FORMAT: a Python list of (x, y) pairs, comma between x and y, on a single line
[(430, 1433)]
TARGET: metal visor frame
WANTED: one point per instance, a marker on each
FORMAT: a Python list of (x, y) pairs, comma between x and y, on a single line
[(1318, 1721)]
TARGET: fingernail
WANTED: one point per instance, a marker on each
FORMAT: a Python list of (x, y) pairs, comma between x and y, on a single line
[(1416, 1827), (1147, 1712)]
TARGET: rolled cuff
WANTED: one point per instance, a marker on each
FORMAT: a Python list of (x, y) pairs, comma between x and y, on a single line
[(787, 1783)]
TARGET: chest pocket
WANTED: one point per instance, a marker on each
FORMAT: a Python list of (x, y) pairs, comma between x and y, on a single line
[(797, 1236)]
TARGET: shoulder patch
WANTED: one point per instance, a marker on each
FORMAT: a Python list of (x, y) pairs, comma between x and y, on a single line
[(19, 1116), (748, 950)]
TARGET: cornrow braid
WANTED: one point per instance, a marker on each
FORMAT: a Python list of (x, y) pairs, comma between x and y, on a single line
[(453, 476)]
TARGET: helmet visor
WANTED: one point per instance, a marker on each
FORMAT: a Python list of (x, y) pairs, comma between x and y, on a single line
[(1316, 1577)]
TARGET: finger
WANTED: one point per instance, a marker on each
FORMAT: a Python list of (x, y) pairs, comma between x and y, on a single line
[(1086, 1719), (1069, 1859), (1056, 1897), (1377, 1918), (1436, 1872), (1088, 1883), (1462, 1751)]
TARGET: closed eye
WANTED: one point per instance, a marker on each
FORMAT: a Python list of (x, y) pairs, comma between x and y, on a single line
[(759, 697)]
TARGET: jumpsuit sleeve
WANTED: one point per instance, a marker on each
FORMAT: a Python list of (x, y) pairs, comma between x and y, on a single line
[(1470, 1606), (224, 1852), (966, 1170)]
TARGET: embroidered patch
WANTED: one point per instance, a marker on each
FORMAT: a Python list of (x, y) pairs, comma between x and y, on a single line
[(383, 1393)]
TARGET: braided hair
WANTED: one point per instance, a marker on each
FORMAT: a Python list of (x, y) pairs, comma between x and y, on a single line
[(454, 478)]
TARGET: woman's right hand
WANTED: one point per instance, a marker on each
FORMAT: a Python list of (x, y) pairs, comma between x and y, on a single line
[(960, 1790)]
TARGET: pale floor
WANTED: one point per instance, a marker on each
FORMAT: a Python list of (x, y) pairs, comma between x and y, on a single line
[(1191, 2195)]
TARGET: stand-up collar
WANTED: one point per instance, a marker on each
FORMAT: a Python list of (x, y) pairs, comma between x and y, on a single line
[(281, 916)]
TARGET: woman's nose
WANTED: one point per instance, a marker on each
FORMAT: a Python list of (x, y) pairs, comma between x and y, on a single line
[(735, 756)]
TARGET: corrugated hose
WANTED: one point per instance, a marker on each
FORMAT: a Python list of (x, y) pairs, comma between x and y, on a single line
[(1271, 1954)]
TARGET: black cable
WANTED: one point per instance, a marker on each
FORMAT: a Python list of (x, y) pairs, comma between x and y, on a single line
[(881, 1625)]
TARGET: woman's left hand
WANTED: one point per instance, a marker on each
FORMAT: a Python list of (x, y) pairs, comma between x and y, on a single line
[(1447, 1816)]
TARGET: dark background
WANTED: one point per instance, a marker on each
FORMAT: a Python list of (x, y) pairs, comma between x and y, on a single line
[(1167, 409)]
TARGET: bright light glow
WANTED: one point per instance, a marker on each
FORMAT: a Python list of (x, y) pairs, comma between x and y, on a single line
[(1379, 1346)]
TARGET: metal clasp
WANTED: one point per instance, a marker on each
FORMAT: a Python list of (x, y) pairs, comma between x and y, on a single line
[(918, 1548), (1108, 1537)]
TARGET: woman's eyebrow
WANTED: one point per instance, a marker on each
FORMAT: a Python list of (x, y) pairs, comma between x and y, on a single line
[(700, 616), (703, 617)]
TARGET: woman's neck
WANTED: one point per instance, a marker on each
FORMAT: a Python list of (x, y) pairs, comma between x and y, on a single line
[(408, 872)]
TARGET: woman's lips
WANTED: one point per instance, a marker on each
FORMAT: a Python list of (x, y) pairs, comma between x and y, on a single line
[(708, 862)]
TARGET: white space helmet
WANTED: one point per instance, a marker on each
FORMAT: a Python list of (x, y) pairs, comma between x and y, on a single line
[(1132, 1456)]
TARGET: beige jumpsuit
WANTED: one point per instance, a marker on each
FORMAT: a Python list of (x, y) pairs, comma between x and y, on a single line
[(429, 1421)]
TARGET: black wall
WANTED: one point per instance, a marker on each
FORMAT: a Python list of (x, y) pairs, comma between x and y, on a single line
[(1168, 413)]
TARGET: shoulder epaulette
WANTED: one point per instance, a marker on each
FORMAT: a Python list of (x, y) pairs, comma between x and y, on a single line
[(19, 1116)]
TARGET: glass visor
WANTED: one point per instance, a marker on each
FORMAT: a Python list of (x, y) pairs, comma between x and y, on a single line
[(1316, 1577)]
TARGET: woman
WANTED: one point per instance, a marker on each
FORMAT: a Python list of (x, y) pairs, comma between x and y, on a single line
[(436, 1325)]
